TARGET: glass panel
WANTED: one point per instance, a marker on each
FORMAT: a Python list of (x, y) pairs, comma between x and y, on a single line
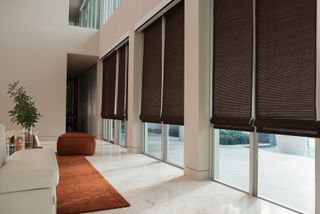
[(112, 131), (122, 141), (109, 7), (84, 13), (105, 129), (153, 139), (232, 158), (287, 170), (176, 145)]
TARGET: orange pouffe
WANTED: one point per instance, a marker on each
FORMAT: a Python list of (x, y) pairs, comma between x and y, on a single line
[(76, 143)]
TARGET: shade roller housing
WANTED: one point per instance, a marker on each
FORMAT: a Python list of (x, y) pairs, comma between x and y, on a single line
[(108, 86), (152, 73), (173, 83), (232, 64), (121, 102), (286, 67)]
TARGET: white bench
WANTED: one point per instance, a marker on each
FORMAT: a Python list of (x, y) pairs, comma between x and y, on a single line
[(28, 180)]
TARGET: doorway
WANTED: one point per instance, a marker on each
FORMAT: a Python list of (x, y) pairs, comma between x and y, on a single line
[(81, 93)]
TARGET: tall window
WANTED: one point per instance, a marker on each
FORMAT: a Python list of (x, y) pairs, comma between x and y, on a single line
[(105, 131), (109, 6), (122, 134), (85, 14), (176, 145), (153, 140), (231, 164), (264, 103), (162, 103), (114, 92), (286, 170)]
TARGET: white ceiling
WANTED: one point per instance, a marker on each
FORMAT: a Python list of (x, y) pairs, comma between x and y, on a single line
[(78, 64)]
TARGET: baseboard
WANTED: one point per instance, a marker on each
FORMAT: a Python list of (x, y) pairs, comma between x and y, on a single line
[(196, 175), (98, 137), (134, 150)]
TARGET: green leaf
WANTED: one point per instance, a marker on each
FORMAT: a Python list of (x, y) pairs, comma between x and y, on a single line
[(24, 112)]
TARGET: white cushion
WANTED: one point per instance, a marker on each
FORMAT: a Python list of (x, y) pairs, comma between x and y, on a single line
[(2, 145), (29, 169)]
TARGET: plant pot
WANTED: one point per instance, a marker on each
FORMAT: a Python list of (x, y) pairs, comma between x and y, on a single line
[(292, 144), (28, 138)]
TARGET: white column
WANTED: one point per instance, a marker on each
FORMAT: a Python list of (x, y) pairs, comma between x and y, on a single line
[(197, 88), (135, 127)]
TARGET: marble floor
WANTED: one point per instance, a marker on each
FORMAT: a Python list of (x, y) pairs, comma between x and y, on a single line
[(152, 186)]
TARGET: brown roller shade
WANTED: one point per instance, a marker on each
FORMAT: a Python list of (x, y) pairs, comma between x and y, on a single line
[(108, 93), (286, 67), (232, 64), (173, 83), (104, 90), (127, 76), (152, 73), (121, 83)]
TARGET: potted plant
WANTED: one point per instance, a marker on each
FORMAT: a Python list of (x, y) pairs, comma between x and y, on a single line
[(24, 112)]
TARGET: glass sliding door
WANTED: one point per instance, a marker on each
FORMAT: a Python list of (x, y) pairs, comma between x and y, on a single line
[(122, 134), (165, 142), (231, 163), (105, 129), (112, 131), (153, 140), (176, 145), (287, 171)]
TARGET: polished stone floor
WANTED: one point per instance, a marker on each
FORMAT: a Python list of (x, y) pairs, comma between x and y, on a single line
[(152, 186)]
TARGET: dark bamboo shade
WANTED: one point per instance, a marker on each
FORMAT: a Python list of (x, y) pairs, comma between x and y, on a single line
[(173, 83), (232, 64), (108, 86), (127, 83), (120, 114), (286, 67), (152, 73)]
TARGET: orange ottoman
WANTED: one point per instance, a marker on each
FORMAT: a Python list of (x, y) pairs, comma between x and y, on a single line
[(76, 143)]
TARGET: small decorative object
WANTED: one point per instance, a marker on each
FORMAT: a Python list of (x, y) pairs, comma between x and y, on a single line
[(24, 113), (20, 141), (11, 148)]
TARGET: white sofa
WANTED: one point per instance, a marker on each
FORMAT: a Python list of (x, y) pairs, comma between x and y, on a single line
[(28, 180)]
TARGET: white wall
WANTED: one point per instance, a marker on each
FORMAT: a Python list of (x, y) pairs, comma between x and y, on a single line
[(34, 41), (124, 20)]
